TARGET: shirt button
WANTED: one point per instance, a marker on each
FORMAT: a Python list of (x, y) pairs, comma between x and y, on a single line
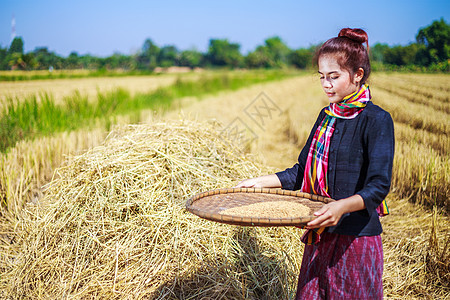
[(336, 131)]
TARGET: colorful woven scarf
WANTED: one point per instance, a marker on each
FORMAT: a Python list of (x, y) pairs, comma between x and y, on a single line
[(315, 179)]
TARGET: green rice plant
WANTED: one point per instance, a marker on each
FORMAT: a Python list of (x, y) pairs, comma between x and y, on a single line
[(30, 118)]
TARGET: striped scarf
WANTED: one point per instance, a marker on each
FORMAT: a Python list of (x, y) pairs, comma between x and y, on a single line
[(315, 179)]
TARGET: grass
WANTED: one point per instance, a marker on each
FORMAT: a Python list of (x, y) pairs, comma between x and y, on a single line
[(31, 118)]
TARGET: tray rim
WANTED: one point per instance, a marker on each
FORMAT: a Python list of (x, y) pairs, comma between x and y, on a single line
[(254, 221)]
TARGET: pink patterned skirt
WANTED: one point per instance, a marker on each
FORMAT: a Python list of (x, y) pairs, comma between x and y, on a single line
[(342, 267)]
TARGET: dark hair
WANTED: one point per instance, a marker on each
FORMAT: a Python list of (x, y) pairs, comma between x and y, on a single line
[(350, 51)]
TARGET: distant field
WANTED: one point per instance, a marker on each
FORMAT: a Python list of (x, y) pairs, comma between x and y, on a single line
[(89, 86), (56, 73), (19, 75)]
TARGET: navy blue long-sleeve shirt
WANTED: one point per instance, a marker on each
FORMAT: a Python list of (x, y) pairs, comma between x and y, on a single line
[(360, 162)]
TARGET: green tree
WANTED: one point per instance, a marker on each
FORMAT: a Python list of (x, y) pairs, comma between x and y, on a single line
[(273, 54), (117, 61), (73, 61), (277, 51), (436, 38), (422, 57), (29, 61), (223, 53), (302, 58), (191, 58), (258, 58), (92, 62), (16, 61), (148, 57), (168, 56), (46, 59), (402, 55), (16, 46), (3, 60), (377, 52), (395, 56)]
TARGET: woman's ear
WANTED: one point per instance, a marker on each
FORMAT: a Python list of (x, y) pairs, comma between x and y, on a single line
[(358, 76)]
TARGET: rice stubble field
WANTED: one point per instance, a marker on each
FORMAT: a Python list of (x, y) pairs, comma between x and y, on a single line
[(135, 236)]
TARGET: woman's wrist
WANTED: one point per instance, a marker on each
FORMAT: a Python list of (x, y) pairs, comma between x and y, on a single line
[(269, 181), (266, 181), (353, 203)]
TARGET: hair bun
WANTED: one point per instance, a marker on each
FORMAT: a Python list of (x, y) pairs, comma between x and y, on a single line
[(355, 34)]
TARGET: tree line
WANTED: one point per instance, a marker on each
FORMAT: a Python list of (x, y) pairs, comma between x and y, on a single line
[(430, 52)]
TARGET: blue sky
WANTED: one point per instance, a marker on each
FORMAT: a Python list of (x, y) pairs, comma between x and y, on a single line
[(102, 27)]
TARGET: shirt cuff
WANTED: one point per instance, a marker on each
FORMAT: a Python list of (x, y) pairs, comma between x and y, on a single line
[(286, 180), (371, 205)]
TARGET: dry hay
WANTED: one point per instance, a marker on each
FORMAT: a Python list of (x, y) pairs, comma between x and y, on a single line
[(112, 224), (416, 245)]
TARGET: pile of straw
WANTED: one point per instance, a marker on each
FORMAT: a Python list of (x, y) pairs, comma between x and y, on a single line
[(112, 224)]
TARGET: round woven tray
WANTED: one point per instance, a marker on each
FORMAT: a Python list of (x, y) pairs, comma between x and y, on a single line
[(208, 205)]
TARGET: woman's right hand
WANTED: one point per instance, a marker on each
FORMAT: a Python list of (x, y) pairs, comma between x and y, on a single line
[(267, 181)]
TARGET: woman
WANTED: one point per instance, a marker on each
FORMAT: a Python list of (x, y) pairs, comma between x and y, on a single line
[(348, 157)]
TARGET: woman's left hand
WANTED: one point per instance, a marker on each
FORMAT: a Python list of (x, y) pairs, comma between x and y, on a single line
[(328, 215), (331, 213)]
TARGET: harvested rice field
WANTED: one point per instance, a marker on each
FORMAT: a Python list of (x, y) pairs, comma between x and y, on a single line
[(99, 213), (90, 87)]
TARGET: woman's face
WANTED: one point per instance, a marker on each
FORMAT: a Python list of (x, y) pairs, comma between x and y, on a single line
[(336, 82)]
